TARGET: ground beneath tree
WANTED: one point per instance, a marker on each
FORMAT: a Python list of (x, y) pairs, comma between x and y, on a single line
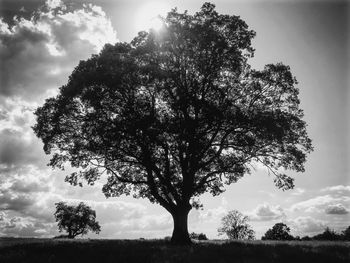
[(85, 250)]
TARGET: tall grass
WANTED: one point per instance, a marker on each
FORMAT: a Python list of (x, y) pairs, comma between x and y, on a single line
[(48, 250)]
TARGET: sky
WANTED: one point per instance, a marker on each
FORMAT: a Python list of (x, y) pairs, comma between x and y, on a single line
[(38, 55)]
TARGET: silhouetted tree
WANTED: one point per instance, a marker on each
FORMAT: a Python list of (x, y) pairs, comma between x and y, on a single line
[(76, 220), (200, 236), (329, 235), (235, 226), (176, 113), (279, 231), (346, 234)]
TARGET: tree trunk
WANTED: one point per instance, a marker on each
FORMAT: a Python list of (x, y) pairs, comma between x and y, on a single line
[(70, 234), (180, 233)]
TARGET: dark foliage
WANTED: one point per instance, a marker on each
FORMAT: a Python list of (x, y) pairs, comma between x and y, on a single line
[(346, 234), (76, 220), (235, 226), (176, 113), (167, 238), (329, 235), (279, 231), (61, 236), (200, 236), (306, 238), (76, 251)]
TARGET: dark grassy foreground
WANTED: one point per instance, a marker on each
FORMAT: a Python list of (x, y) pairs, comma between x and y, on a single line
[(50, 250)]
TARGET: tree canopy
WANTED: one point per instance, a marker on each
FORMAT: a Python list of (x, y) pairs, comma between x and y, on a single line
[(235, 226), (176, 113), (76, 220), (346, 234), (279, 231)]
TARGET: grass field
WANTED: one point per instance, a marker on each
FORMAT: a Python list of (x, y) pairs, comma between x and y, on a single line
[(84, 250)]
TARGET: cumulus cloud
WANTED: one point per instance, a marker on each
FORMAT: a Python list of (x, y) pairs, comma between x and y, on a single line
[(18, 145), (319, 203), (267, 212), (21, 192), (52, 4), (337, 209), (306, 226), (39, 53), (24, 208), (17, 226), (16, 151)]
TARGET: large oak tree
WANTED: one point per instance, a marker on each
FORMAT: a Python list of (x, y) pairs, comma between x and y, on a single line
[(176, 113)]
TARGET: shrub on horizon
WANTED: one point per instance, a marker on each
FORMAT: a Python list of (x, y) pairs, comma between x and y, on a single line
[(279, 231), (329, 235), (200, 236), (346, 234)]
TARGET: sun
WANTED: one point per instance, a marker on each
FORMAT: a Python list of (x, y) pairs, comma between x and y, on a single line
[(148, 16)]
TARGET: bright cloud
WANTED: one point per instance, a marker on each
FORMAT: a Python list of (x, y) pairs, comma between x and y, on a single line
[(18, 144), (25, 227), (267, 212), (39, 53), (319, 203), (52, 4), (306, 226), (22, 192)]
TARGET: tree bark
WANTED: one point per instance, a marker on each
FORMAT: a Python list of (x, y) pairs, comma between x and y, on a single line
[(180, 233)]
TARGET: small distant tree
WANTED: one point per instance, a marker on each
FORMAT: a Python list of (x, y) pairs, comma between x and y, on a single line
[(200, 236), (279, 231), (76, 220), (235, 226), (346, 234), (328, 234)]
